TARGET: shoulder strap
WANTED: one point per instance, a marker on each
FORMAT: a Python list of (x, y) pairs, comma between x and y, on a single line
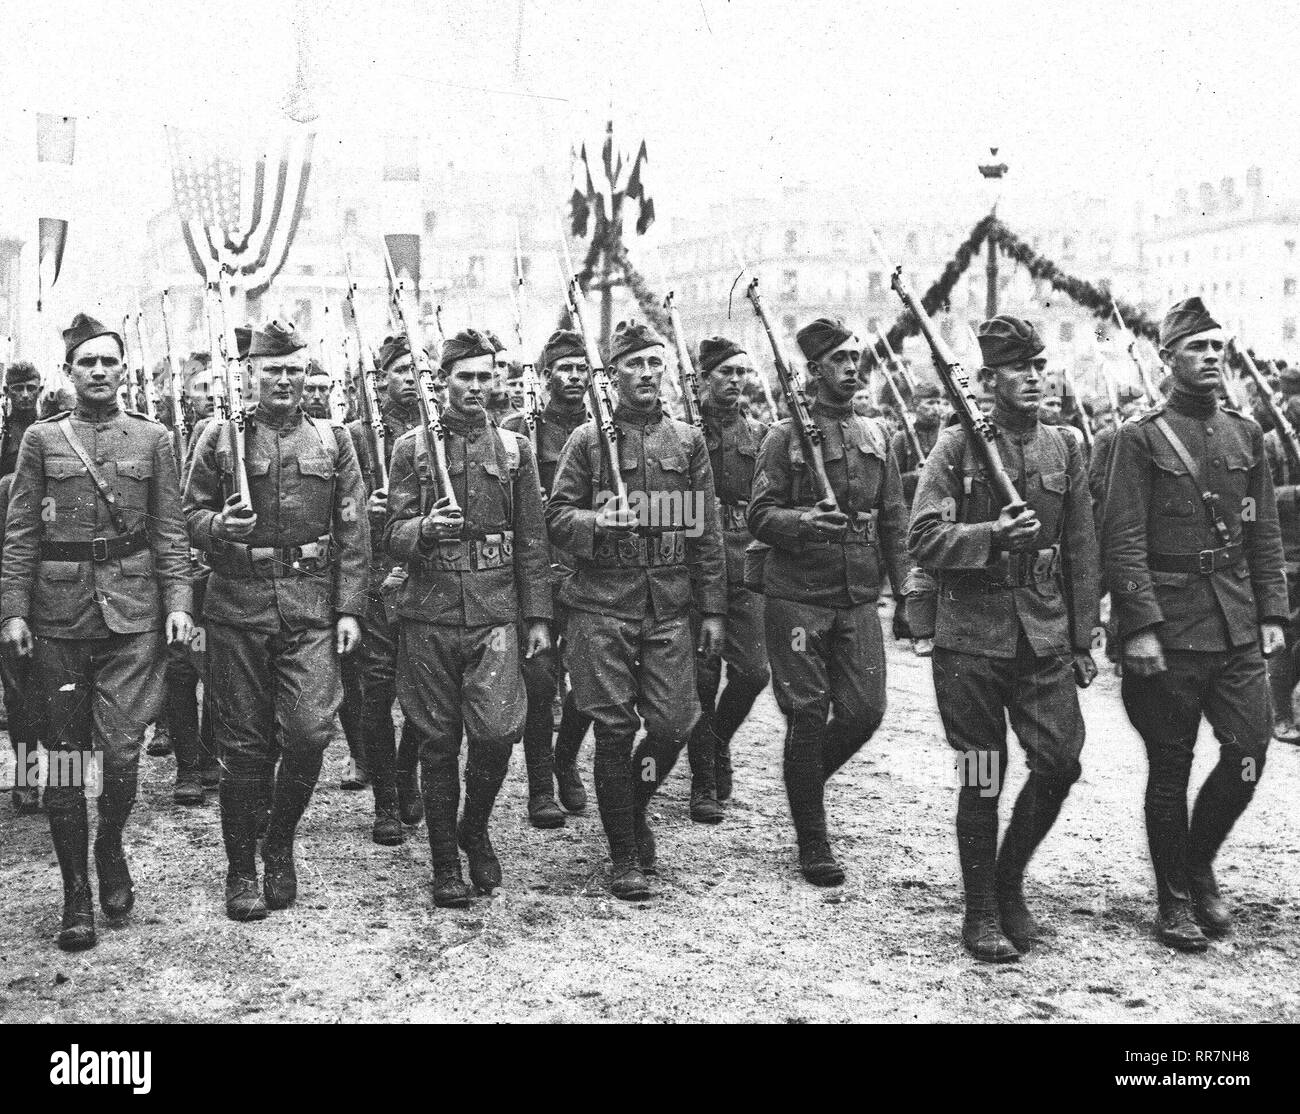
[(325, 431), (101, 485), (1208, 498)]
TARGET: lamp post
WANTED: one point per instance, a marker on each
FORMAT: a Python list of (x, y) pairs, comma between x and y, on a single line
[(992, 171)]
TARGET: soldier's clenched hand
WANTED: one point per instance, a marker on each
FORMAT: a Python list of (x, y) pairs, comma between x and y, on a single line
[(179, 627), (16, 637), (235, 520), (616, 518), (348, 636), (539, 638), (1015, 527), (1143, 656), (1085, 669), (711, 636), (443, 523), (377, 504), (825, 520), (1272, 638)]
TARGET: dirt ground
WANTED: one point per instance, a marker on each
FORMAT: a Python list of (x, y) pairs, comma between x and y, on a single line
[(733, 933)]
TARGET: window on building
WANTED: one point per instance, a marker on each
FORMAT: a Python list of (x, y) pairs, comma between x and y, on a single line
[(1288, 287), (1288, 329), (913, 243), (874, 284), (350, 221), (1066, 332), (790, 285), (302, 315), (791, 240)]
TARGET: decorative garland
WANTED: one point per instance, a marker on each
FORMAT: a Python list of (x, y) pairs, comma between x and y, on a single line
[(607, 240)]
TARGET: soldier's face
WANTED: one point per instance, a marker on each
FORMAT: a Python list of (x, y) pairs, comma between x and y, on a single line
[(1196, 361), (515, 389), (569, 376), (837, 371), (639, 375), (468, 383), (199, 391), (1049, 410), (401, 382), (929, 411), (280, 380), (22, 396), (316, 395), (722, 386), (96, 371), (862, 401), (1018, 387)]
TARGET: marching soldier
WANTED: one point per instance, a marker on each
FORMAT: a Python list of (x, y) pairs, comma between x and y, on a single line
[(283, 601), (96, 578), (629, 601), (564, 369), (733, 442), (822, 581), (370, 675), (22, 390), (1194, 562), (1016, 609), (928, 403), (474, 568), (317, 388), (1283, 671)]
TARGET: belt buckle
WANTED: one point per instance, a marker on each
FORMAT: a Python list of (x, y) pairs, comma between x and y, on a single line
[(1205, 562), (99, 549)]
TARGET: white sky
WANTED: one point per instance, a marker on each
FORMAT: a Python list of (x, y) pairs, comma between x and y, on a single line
[(1128, 99)]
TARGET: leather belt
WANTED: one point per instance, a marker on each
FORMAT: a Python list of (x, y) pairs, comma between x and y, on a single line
[(1205, 562), (861, 530), (1012, 570), (97, 549), (271, 561)]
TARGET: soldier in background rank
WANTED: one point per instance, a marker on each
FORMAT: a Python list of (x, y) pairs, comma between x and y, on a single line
[(1284, 668), (473, 571), (283, 602), (96, 575), (564, 368), (370, 675), (1017, 604), (822, 581), (1193, 559), (629, 602), (733, 441)]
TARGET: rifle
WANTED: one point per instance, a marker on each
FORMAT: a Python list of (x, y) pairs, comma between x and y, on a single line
[(367, 394), (528, 371), (232, 378), (435, 437), (149, 392), (180, 427), (904, 415), (1286, 432), (685, 368), (979, 430), (1153, 396), (131, 389), (804, 425), (1067, 377), (599, 391)]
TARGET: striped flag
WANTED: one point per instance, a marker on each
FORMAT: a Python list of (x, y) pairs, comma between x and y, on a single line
[(52, 235)]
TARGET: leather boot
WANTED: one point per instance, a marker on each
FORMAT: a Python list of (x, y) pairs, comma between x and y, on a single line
[(116, 893), (1037, 808), (614, 798), (1281, 686), (70, 832), (539, 758), (1175, 925), (409, 801), (160, 743), (702, 755), (181, 713), (382, 755), (485, 770), (733, 706), (568, 742), (240, 812), (838, 746), (441, 786), (977, 843), (1222, 799), (804, 788), (293, 791)]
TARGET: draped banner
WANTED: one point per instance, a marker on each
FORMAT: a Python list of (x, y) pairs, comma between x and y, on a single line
[(52, 236), (239, 212)]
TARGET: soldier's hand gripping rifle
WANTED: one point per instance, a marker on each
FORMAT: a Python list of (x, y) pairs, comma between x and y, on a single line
[(689, 381), (804, 426), (233, 377), (435, 439), (367, 390), (1286, 432), (617, 512), (180, 427), (904, 415)]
